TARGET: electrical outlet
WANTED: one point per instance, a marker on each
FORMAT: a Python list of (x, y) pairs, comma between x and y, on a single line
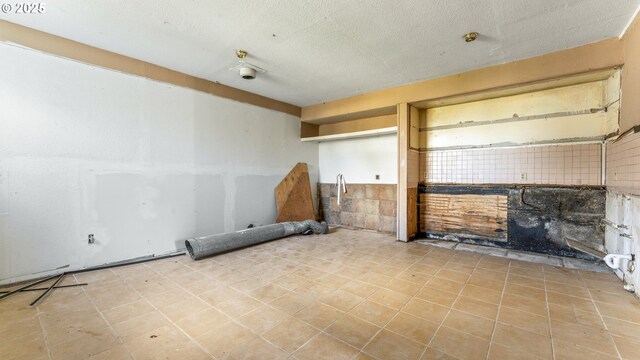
[(92, 238), (377, 177), (523, 176)]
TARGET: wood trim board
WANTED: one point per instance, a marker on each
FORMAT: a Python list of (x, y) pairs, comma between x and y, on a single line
[(59, 46)]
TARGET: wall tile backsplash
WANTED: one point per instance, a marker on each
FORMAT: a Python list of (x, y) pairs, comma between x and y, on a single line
[(573, 164), (367, 206), (623, 165)]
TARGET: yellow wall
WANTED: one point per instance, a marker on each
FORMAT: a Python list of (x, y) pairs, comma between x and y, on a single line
[(372, 123), (570, 112)]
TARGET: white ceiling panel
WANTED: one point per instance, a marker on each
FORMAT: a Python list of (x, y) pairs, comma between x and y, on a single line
[(320, 50)]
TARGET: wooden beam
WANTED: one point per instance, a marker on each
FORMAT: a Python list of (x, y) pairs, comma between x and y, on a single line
[(59, 46)]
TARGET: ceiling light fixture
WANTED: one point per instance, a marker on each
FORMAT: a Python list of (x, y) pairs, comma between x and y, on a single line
[(247, 71), (469, 37)]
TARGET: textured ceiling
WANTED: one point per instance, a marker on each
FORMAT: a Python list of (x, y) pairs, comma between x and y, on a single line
[(320, 50)]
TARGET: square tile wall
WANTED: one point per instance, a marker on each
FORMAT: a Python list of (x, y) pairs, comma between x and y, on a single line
[(623, 165), (553, 164), (366, 206)]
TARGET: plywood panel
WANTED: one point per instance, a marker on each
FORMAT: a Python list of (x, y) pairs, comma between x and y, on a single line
[(464, 215), (293, 196)]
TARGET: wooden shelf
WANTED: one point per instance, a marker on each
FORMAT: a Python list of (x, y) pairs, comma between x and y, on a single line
[(353, 135)]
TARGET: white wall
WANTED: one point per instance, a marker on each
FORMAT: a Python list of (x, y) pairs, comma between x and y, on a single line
[(623, 201), (359, 160), (140, 164), (623, 209)]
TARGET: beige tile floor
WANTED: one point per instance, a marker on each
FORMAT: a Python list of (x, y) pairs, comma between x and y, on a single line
[(347, 295)]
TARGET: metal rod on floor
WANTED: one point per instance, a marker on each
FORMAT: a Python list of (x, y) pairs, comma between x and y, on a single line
[(101, 267), (57, 287), (127, 262), (47, 291), (27, 286)]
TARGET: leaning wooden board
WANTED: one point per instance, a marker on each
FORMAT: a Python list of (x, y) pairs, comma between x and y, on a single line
[(293, 196), (464, 214)]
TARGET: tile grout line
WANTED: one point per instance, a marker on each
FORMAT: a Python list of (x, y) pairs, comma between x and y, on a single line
[(345, 313), (383, 327), (265, 304), (450, 307), (44, 333), (495, 325), (597, 310), (154, 307), (364, 299), (293, 272), (164, 315), (233, 319), (400, 264), (104, 318), (615, 346), (546, 302)]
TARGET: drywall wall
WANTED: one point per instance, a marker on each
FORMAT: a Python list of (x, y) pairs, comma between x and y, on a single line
[(139, 163), (359, 160), (630, 112)]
